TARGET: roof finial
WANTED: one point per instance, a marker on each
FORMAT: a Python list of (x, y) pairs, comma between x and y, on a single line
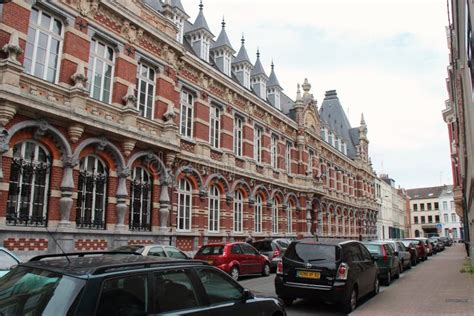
[(298, 92), (200, 5), (362, 120), (273, 66), (223, 22), (243, 39), (258, 53)]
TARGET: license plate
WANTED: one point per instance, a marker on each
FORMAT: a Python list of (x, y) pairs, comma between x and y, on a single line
[(308, 274), (210, 261)]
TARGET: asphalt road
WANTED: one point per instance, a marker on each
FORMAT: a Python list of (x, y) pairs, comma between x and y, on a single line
[(452, 292)]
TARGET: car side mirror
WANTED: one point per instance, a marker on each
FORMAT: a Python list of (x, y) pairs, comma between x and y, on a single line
[(247, 295), (396, 253), (374, 257)]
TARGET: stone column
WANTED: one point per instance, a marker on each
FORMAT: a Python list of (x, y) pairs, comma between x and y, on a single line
[(320, 221), (343, 225), (308, 218), (122, 195), (336, 224), (164, 205), (67, 189), (329, 223)]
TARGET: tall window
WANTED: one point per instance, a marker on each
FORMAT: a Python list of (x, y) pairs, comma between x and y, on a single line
[(140, 203), (446, 218), (246, 77), (238, 136), (258, 214), (187, 105), (289, 218), (227, 64), (274, 151), (257, 144), (184, 206), (436, 206), (214, 128), (238, 212), (288, 157), (415, 219), (336, 143), (453, 218), (91, 195), (452, 205), (28, 186), (445, 205), (43, 45), (415, 207), (100, 72), (214, 209), (145, 90), (455, 233), (330, 138), (422, 206), (310, 161), (275, 218), (323, 134)]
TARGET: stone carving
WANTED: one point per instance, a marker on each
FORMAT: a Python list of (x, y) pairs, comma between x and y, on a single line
[(79, 77), (75, 132), (7, 112), (128, 146), (170, 114), (131, 32), (86, 7), (130, 99), (13, 49)]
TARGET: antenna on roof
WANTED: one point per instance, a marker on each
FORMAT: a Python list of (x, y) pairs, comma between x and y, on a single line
[(57, 244)]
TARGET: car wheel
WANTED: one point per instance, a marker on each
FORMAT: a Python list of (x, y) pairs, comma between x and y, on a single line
[(376, 287), (351, 302), (234, 273), (388, 279), (288, 301), (266, 270)]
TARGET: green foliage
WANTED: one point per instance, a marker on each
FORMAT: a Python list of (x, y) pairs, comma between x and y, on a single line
[(468, 267)]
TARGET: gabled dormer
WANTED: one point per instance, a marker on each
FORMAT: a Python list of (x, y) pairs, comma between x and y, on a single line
[(223, 52), (200, 36), (242, 66), (174, 10), (259, 78), (274, 89)]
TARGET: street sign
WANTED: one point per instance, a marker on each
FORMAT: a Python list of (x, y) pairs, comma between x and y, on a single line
[(439, 226)]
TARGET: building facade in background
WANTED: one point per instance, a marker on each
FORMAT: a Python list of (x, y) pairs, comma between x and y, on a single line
[(459, 113), (392, 216), (124, 122)]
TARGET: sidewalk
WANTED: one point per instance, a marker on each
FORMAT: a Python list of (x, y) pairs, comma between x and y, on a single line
[(435, 287)]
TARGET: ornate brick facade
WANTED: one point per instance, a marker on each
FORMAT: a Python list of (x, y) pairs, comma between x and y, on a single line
[(105, 157)]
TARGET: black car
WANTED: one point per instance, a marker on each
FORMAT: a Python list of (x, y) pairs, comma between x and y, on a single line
[(330, 271), (273, 249), (125, 284)]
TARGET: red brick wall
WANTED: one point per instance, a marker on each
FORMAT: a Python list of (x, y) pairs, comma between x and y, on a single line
[(26, 244), (140, 242), (90, 244)]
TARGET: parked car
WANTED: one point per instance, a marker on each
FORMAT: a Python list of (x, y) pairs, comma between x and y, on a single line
[(7, 261), (448, 242), (236, 259), (336, 271), (104, 284), (428, 246), (273, 249), (387, 260), (404, 255), (420, 247), (411, 247), (154, 250), (438, 245)]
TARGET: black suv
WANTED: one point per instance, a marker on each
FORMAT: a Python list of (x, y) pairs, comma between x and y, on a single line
[(125, 284), (330, 271)]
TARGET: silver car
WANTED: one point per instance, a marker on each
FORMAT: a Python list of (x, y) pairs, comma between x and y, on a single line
[(7, 261), (154, 250)]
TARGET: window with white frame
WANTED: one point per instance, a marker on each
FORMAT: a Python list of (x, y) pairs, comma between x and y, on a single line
[(274, 151), (323, 134), (214, 128), (238, 212), (446, 218), (246, 77), (227, 64), (43, 45), (238, 135), (453, 218), (445, 205), (184, 206), (330, 139), (92, 193), (205, 49), (179, 21), (275, 218), (28, 186), (214, 209), (289, 218), (186, 117), (288, 157), (140, 202), (258, 214), (336, 143), (452, 205), (145, 90), (310, 160), (257, 144), (100, 71)]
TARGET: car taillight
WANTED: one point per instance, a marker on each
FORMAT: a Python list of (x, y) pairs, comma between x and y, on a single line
[(276, 253), (343, 271), (384, 253), (280, 267)]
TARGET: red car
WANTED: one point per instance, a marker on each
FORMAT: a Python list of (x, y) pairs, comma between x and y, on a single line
[(236, 259), (420, 247)]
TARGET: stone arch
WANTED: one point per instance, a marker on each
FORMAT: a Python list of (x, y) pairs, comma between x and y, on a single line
[(246, 188), (275, 193), (263, 189), (102, 143), (193, 175), (41, 128), (224, 184), (153, 158), (292, 196)]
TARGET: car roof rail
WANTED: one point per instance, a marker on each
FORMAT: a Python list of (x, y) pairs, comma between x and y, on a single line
[(134, 265), (82, 254)]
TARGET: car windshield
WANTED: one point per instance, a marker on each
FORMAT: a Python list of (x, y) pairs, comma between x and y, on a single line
[(210, 250), (374, 248), (312, 252), (28, 291), (407, 243), (133, 248)]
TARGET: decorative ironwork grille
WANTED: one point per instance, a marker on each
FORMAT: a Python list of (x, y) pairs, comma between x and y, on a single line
[(141, 188)]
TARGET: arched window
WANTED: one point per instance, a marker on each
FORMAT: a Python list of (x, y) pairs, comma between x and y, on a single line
[(29, 183), (238, 212), (214, 209), (140, 203), (275, 218), (184, 206), (289, 218), (258, 214), (91, 194)]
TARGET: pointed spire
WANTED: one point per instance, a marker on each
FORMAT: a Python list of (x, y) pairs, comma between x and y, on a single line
[(201, 6), (362, 120), (242, 55), (258, 68), (298, 93), (201, 22), (223, 39), (243, 40), (223, 22), (273, 81)]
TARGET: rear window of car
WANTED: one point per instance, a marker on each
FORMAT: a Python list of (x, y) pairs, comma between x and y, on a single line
[(407, 243), (283, 243), (374, 248), (312, 252), (137, 249), (262, 245), (211, 250)]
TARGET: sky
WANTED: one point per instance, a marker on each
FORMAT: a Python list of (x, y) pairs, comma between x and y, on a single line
[(386, 59)]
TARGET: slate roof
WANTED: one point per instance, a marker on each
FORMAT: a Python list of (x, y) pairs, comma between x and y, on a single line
[(273, 80), (155, 4), (258, 68), (222, 40), (286, 104), (200, 22), (425, 193), (333, 116), (178, 5), (242, 55)]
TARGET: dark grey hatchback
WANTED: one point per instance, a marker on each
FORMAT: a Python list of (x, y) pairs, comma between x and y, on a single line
[(125, 284), (330, 271)]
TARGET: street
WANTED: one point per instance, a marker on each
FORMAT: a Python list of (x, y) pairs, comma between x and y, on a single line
[(432, 287)]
